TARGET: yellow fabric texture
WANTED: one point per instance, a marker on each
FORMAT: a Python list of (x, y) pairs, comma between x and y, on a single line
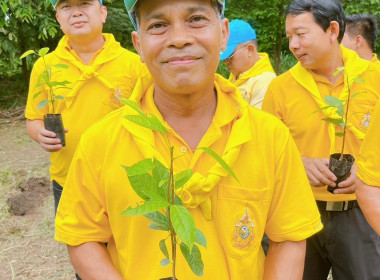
[(375, 59), (369, 156), (254, 83), (296, 95), (113, 71), (268, 167)]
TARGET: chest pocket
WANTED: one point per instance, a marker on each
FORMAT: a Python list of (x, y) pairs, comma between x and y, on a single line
[(240, 219)]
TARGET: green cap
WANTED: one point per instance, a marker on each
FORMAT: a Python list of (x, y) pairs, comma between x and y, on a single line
[(131, 4), (54, 2)]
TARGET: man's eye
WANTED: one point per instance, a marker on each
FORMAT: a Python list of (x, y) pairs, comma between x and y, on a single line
[(197, 19), (157, 26)]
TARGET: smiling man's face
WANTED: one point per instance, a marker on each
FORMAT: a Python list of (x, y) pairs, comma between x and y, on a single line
[(180, 41)]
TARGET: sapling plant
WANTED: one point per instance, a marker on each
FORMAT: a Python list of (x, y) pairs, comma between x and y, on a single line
[(340, 164), (53, 121), (156, 184)]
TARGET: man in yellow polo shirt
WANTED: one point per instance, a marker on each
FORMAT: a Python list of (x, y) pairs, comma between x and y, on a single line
[(314, 29), (251, 71), (368, 182), (99, 70), (180, 41), (361, 35)]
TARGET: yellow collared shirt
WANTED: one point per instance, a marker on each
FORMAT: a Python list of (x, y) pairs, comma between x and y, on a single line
[(91, 95), (293, 103), (273, 194), (254, 83)]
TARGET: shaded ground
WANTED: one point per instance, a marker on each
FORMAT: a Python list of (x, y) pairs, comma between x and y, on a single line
[(28, 249)]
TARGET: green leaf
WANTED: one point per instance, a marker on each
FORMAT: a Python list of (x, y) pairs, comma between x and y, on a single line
[(164, 249), (220, 161), (159, 172), (141, 167), (133, 105), (181, 178), (334, 121), (62, 66), (321, 109), (338, 70), (25, 54), (145, 208), (59, 97), (42, 104), (194, 259), (165, 262), (42, 52), (339, 134), (56, 83), (200, 239), (144, 185), (333, 101), (37, 94), (159, 221), (359, 80), (183, 224), (146, 122)]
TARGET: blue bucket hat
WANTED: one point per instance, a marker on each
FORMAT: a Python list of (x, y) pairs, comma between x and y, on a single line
[(240, 32), (131, 4), (54, 2)]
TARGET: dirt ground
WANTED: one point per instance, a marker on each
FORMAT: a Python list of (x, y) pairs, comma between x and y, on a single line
[(28, 249)]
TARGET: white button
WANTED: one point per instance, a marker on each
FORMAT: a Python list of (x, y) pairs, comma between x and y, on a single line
[(183, 149)]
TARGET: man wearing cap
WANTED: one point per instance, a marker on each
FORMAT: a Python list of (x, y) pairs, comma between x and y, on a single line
[(251, 71), (180, 41), (99, 70), (347, 245)]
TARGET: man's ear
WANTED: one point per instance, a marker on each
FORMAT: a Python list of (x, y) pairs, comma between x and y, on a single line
[(359, 40), (225, 34), (137, 45), (104, 13), (251, 48), (334, 29)]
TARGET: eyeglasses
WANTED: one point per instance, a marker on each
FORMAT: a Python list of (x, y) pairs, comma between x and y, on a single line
[(228, 60)]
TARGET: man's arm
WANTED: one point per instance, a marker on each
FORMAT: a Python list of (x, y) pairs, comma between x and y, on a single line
[(45, 138), (92, 261), (285, 260), (369, 200)]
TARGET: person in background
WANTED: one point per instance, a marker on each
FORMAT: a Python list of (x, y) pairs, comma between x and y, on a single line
[(100, 71), (368, 182), (251, 71), (180, 42), (361, 35), (315, 28)]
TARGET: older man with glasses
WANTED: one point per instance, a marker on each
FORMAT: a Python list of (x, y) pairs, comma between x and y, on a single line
[(251, 71)]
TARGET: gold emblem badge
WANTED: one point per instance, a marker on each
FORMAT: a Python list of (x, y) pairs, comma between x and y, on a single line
[(243, 233), (364, 123)]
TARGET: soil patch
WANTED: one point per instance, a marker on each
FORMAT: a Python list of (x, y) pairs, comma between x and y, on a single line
[(32, 193)]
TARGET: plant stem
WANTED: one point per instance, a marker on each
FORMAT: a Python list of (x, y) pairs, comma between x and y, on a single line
[(50, 89), (171, 198), (346, 117)]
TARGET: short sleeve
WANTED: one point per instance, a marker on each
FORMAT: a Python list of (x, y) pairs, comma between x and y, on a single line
[(82, 215), (293, 214)]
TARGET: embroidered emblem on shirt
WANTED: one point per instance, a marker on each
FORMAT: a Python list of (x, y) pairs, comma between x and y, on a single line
[(364, 123), (243, 233)]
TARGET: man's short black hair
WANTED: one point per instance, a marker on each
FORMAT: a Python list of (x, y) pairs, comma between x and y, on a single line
[(364, 25), (324, 12)]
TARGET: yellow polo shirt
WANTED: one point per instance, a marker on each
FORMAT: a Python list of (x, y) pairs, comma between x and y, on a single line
[(273, 191), (375, 59), (289, 97), (91, 95), (254, 83), (369, 156)]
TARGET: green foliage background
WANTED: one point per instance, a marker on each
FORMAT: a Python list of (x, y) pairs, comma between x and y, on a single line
[(31, 24)]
